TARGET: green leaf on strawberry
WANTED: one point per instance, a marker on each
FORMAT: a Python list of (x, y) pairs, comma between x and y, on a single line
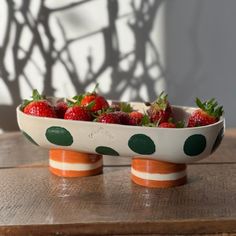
[(180, 124), (210, 107), (36, 96), (208, 113), (126, 107), (76, 100), (90, 105)]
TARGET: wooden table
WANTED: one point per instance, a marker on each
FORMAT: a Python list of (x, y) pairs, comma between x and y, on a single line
[(34, 202)]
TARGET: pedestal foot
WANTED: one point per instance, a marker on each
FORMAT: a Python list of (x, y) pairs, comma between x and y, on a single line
[(74, 164), (157, 174)]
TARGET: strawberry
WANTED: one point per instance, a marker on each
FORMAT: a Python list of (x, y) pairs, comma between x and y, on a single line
[(167, 125), (122, 110), (78, 113), (208, 113), (99, 102), (135, 118), (38, 106), (171, 124), (110, 118), (61, 108), (123, 116), (160, 110)]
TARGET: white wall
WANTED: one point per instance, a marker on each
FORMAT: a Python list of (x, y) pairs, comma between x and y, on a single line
[(64, 47), (194, 40)]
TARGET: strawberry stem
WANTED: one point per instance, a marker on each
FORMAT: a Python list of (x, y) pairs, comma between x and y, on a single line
[(76, 100), (37, 96), (161, 101), (95, 88)]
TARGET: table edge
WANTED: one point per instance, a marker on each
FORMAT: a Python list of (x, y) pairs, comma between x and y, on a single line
[(190, 226)]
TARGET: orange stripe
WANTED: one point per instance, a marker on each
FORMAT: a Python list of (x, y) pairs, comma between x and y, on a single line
[(154, 166), (73, 156), (72, 173), (158, 184)]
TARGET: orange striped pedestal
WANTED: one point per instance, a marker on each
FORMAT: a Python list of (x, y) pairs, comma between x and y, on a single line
[(157, 174), (74, 164)]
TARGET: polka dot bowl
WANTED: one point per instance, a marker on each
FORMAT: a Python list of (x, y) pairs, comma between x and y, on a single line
[(177, 145)]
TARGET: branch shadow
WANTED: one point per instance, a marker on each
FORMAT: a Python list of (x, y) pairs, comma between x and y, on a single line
[(140, 25)]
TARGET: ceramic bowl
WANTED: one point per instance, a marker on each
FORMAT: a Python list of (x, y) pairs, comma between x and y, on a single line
[(176, 145), (159, 155)]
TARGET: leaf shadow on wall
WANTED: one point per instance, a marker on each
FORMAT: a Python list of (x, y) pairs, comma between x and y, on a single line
[(140, 22)]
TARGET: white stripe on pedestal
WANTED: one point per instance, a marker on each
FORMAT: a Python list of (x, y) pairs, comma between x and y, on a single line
[(160, 177), (75, 166)]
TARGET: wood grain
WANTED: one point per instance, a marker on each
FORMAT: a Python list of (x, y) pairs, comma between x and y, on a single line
[(35, 202), (33, 199), (16, 151), (226, 152), (108, 229)]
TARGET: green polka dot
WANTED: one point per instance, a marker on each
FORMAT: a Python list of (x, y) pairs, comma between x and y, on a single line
[(218, 140), (59, 136), (106, 151), (29, 138), (195, 145), (142, 144)]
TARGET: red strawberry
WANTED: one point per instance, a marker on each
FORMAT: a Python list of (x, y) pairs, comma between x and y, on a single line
[(61, 108), (167, 125), (172, 124), (160, 110), (123, 116), (110, 118), (135, 118), (208, 113), (98, 102), (38, 106), (87, 98), (78, 113)]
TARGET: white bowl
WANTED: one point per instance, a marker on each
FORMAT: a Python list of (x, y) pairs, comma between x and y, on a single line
[(176, 145)]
